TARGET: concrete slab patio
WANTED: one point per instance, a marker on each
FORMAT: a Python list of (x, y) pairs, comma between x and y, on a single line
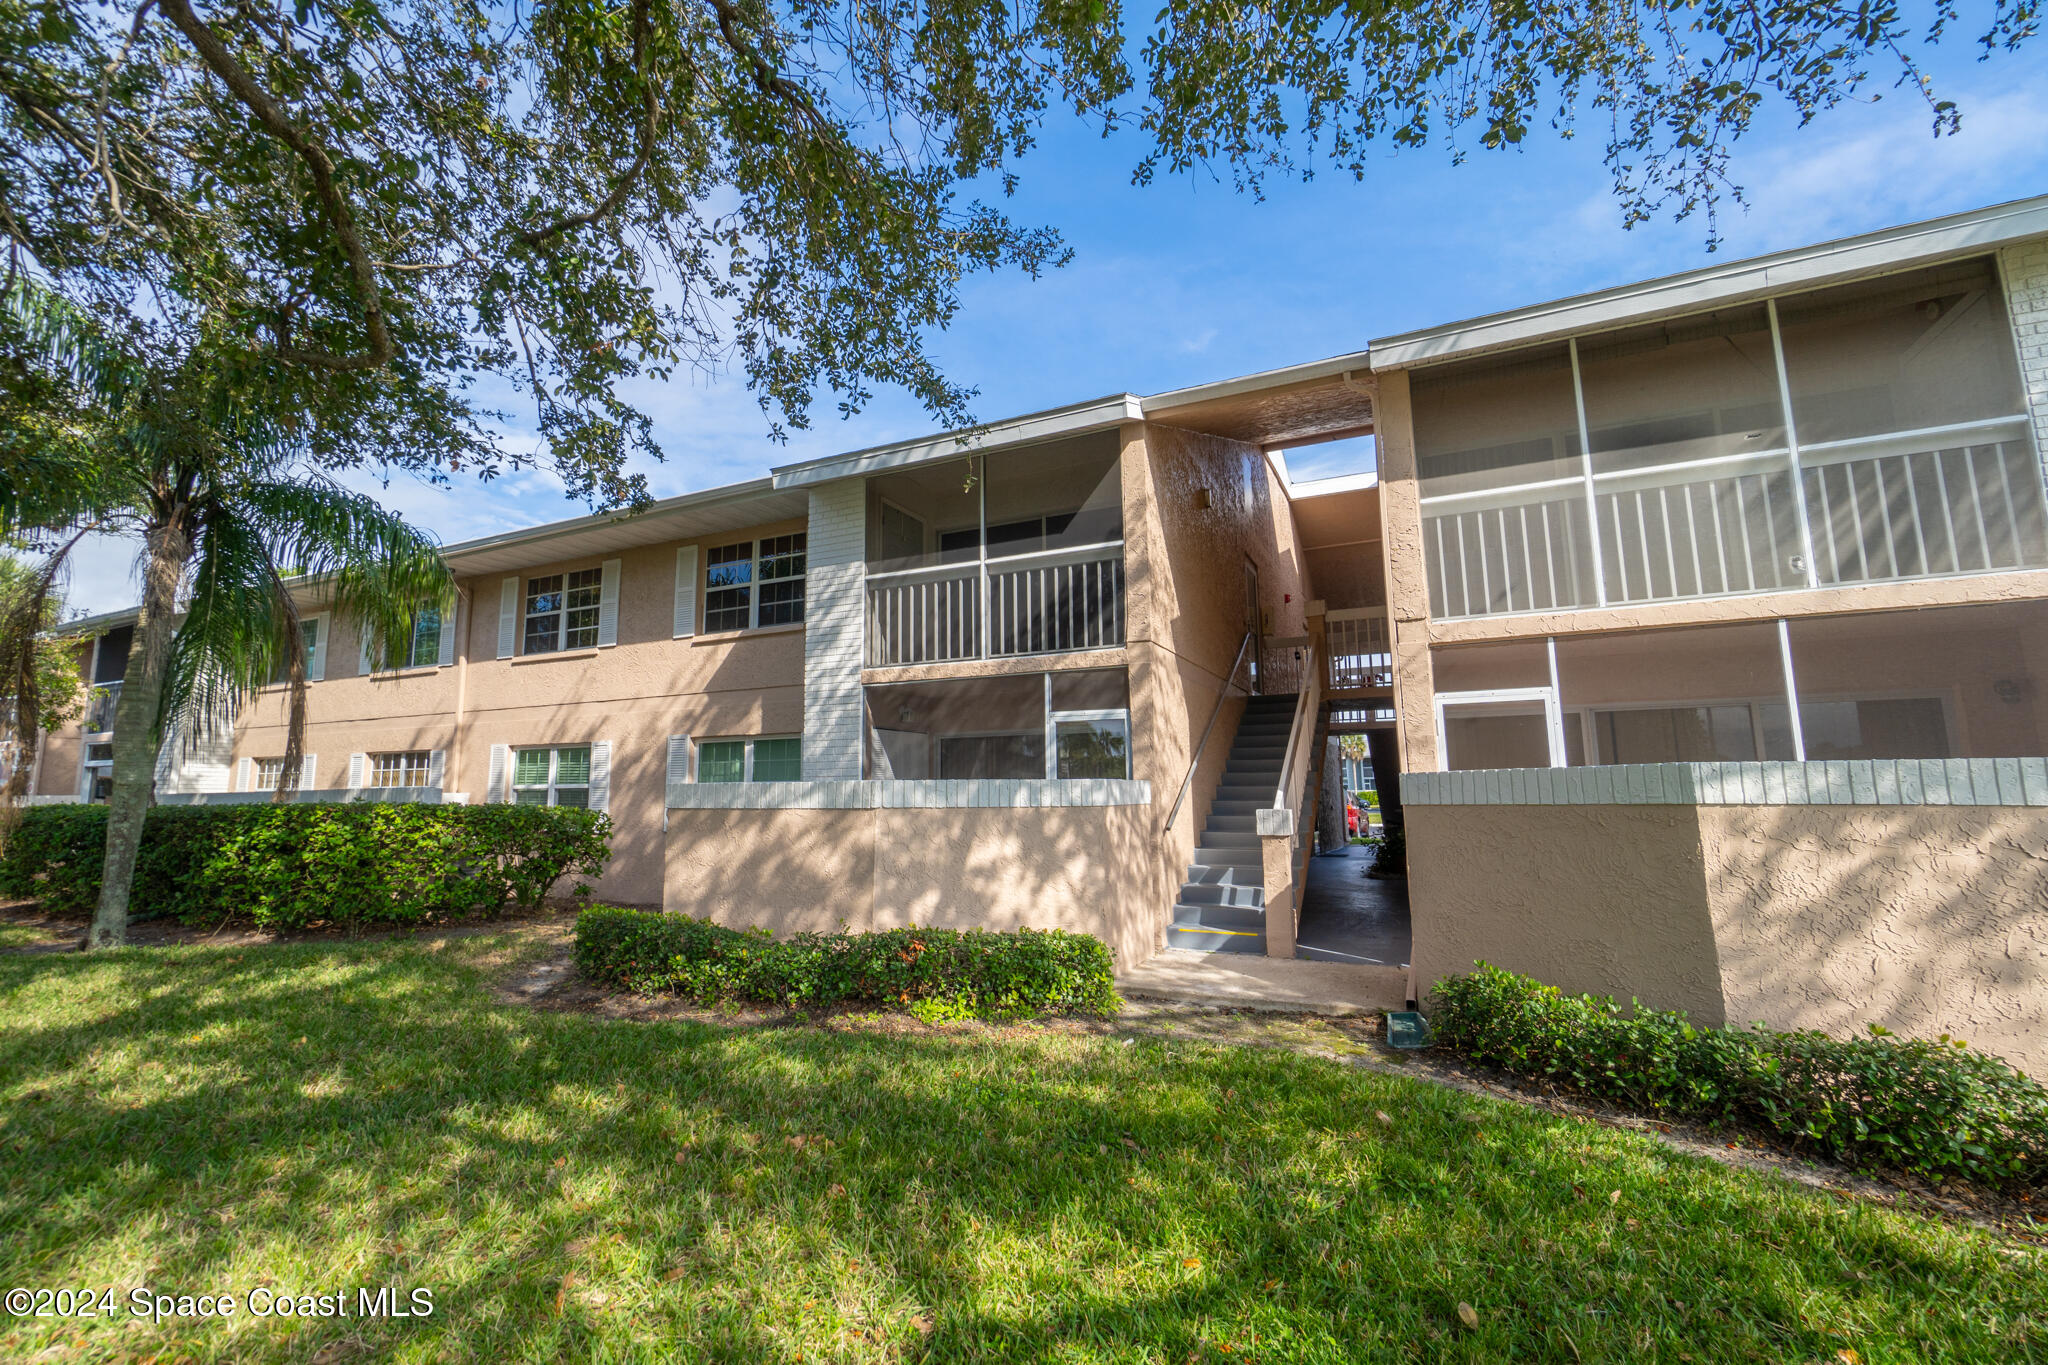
[(1266, 983)]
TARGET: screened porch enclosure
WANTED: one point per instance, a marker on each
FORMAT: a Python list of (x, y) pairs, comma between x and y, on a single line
[(1867, 433), (997, 556), (1936, 683), (1030, 726)]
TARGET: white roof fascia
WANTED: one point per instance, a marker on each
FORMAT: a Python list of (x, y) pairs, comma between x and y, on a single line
[(709, 497), (1697, 291), (1095, 415), (1340, 483), (1335, 366)]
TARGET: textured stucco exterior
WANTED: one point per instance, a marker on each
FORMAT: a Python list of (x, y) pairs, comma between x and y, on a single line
[(634, 694), (1926, 920), (1082, 868), (1197, 508)]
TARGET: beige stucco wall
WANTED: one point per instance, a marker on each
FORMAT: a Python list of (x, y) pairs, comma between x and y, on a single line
[(1927, 920), (634, 695), (1184, 604), (790, 871)]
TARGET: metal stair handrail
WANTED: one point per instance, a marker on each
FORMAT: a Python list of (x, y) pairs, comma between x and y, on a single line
[(1229, 681)]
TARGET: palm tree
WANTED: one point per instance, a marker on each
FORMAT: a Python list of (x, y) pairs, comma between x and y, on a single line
[(180, 453)]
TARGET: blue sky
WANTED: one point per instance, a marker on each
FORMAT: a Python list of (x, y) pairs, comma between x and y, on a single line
[(1186, 281)]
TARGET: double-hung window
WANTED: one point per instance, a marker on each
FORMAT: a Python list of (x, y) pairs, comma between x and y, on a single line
[(552, 777), (561, 612), (309, 636), (426, 641), (778, 759), (266, 774), (755, 583), (408, 769)]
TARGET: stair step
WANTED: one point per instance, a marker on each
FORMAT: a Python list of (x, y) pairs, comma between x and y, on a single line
[(1216, 940), (1208, 915), (1244, 857), (1244, 822), (1240, 876), (1222, 893), (1245, 840), (1244, 805)]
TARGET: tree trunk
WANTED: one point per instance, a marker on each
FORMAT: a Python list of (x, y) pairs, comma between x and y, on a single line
[(135, 730), (1330, 800)]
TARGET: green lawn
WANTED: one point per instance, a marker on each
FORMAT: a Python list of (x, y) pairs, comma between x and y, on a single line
[(313, 1118)]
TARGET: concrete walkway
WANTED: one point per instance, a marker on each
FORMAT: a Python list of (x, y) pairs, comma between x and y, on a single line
[(1266, 983), (1348, 917)]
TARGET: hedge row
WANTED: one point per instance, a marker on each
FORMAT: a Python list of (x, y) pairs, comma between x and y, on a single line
[(935, 973), (289, 866), (1937, 1108)]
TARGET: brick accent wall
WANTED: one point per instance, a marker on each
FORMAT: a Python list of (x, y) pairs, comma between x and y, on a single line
[(834, 618), (2025, 267)]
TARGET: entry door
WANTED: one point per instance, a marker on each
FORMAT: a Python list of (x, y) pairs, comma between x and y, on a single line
[(1251, 617), (1519, 727)]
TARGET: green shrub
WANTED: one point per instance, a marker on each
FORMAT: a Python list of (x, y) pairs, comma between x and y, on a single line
[(288, 866), (1390, 856), (935, 973), (1937, 1108)]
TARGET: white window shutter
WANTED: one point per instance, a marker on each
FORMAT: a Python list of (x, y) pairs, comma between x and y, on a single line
[(678, 760), (356, 764), (608, 604), (686, 591), (317, 670), (494, 789), (307, 765), (601, 775), (242, 771), (437, 768), (363, 649), (449, 627), (508, 618)]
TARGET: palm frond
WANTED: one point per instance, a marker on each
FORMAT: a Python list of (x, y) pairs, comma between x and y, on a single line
[(228, 644), (377, 569), (241, 629)]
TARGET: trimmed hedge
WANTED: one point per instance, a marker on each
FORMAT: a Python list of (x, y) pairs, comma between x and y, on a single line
[(1936, 1108), (934, 973), (289, 866)]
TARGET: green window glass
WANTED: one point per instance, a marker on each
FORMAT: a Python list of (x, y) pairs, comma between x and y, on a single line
[(778, 760), (426, 640), (552, 777), (722, 760)]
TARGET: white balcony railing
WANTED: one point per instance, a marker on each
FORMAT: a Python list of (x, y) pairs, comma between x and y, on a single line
[(1951, 500), (924, 616), (1359, 655), (1043, 603)]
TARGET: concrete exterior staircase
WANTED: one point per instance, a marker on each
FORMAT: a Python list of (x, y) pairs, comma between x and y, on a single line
[(1222, 904)]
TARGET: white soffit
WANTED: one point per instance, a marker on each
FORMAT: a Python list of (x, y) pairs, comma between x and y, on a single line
[(1096, 415), (1695, 291)]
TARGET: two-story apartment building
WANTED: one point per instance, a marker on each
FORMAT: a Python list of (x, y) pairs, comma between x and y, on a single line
[(1707, 618)]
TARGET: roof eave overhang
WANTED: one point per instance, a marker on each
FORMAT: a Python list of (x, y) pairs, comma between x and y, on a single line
[(1076, 420)]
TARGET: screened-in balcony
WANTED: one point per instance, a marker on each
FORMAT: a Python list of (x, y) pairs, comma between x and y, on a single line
[(1864, 434), (993, 557)]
